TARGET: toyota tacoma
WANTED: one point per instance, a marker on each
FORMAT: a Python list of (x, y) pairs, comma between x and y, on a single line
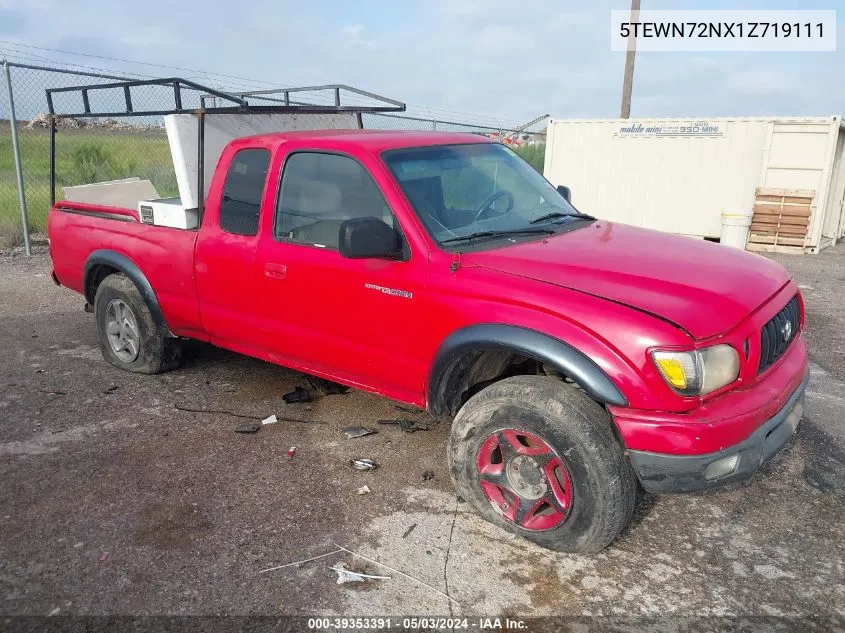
[(576, 356)]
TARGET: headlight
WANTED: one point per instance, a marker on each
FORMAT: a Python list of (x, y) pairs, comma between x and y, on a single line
[(698, 372)]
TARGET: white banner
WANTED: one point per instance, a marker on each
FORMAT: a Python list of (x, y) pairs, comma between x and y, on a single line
[(723, 30)]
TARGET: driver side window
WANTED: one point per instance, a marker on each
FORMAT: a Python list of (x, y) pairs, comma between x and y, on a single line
[(321, 191)]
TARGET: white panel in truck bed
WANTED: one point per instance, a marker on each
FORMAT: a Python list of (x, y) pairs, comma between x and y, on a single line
[(124, 193), (222, 128)]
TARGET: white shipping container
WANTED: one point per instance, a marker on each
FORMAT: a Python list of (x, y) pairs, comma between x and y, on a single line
[(680, 175)]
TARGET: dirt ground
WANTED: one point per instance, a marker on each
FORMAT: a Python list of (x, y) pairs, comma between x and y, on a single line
[(116, 502)]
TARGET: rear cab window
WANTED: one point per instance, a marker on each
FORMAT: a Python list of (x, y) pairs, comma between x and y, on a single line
[(243, 190)]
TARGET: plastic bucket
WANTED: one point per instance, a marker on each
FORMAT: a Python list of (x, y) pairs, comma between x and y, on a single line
[(735, 227)]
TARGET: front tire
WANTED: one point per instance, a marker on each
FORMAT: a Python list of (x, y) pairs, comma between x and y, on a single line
[(129, 337), (539, 459)]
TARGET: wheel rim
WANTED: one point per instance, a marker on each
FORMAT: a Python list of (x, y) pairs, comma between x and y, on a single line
[(525, 480), (122, 331)]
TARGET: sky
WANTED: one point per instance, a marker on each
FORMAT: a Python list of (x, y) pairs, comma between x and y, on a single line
[(501, 59)]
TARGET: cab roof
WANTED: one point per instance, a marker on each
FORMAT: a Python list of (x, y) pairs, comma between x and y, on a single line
[(371, 140)]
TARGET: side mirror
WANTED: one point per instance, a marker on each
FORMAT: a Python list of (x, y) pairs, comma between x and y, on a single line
[(368, 238), (565, 192)]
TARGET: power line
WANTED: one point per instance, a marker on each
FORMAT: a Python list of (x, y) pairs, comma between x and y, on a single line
[(61, 65), (432, 112), (33, 57), (132, 61)]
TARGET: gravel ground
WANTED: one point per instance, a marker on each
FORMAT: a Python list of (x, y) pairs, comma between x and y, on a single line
[(116, 502)]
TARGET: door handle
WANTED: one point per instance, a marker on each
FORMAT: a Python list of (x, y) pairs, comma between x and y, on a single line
[(275, 271)]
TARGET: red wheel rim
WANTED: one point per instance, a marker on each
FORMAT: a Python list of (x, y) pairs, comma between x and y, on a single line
[(524, 480)]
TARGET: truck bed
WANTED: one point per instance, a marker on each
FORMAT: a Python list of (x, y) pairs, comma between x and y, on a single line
[(167, 255)]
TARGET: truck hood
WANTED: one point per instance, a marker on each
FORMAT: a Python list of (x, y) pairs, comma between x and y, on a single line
[(702, 287)]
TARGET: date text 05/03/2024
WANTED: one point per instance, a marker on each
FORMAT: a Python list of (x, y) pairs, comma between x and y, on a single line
[(417, 623)]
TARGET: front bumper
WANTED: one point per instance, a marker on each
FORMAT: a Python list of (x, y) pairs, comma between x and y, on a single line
[(660, 472)]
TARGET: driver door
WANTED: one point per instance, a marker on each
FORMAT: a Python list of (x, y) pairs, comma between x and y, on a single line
[(348, 319)]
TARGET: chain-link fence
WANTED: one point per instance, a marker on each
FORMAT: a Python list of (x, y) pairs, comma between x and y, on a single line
[(89, 150)]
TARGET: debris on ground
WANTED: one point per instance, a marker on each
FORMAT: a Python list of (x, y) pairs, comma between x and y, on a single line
[(181, 407), (340, 567), (297, 395), (358, 431), (409, 426), (363, 490), (409, 530), (291, 451), (270, 419), (301, 562), (404, 409), (111, 389), (427, 475), (327, 387), (396, 571), (347, 575), (363, 464), (248, 428), (235, 414)]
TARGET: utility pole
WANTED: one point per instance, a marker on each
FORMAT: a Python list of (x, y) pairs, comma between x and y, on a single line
[(628, 83)]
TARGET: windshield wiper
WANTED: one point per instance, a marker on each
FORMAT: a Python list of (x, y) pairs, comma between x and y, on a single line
[(557, 214), (503, 233)]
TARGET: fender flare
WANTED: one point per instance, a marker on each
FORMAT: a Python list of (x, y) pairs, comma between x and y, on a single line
[(455, 355), (112, 259)]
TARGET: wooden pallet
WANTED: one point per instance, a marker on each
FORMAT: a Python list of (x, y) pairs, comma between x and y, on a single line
[(781, 218)]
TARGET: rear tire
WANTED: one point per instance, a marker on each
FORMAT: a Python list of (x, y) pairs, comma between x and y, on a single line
[(129, 337), (540, 459)]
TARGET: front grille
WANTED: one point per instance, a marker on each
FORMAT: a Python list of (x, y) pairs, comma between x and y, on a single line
[(778, 333)]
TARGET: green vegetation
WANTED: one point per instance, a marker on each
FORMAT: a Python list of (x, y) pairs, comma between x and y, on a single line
[(94, 163), (534, 154), (82, 156)]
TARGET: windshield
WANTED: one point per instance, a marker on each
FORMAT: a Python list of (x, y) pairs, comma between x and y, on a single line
[(478, 191)]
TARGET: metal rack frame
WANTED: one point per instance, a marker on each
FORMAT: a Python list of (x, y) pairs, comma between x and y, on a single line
[(238, 103), (337, 91)]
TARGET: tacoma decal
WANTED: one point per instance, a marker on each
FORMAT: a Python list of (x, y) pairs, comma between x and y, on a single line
[(390, 291)]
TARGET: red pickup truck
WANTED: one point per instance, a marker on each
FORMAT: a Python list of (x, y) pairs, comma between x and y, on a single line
[(577, 356)]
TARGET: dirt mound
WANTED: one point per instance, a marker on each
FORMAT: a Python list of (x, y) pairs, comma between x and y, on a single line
[(114, 124), (42, 121)]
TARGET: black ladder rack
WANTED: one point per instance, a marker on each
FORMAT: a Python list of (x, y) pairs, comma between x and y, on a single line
[(272, 101)]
